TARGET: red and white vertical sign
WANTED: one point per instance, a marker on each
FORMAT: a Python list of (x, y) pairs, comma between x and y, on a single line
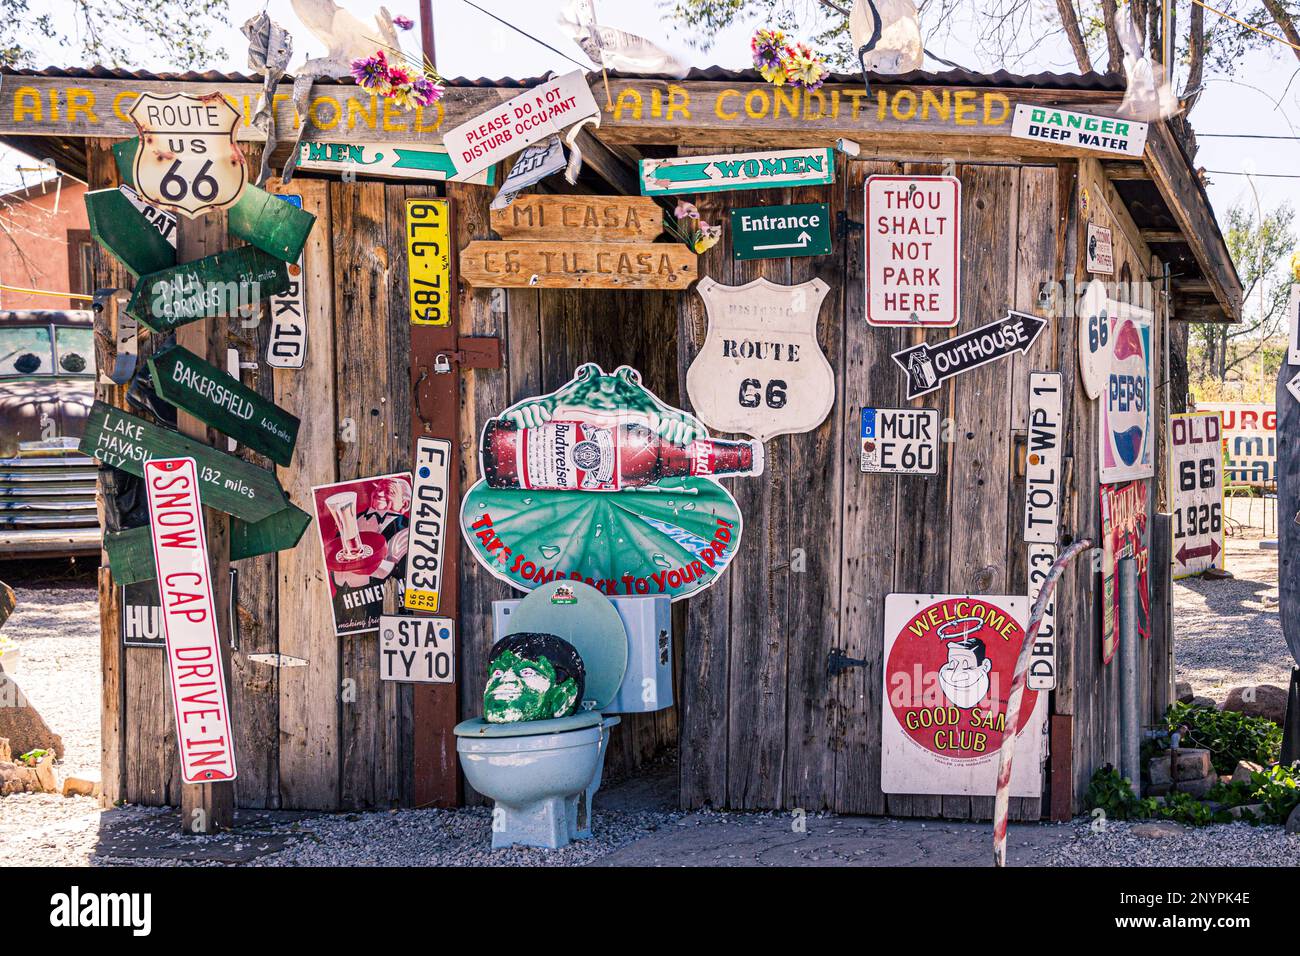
[(913, 270), (180, 551)]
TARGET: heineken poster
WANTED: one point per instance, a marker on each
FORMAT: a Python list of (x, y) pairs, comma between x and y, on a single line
[(363, 527), (601, 482), (949, 661)]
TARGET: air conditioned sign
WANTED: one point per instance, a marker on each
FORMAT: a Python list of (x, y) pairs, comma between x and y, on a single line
[(774, 232), (198, 683), (900, 441), (771, 169), (1068, 128), (1196, 490), (913, 269), (1043, 458), (417, 649)]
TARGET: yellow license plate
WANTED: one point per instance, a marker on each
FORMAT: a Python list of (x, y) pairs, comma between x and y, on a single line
[(421, 600), (428, 257)]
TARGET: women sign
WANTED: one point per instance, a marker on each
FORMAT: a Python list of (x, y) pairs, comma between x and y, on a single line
[(949, 661)]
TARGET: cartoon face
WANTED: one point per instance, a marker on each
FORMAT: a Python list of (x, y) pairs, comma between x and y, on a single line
[(519, 688), (965, 678), (389, 497)]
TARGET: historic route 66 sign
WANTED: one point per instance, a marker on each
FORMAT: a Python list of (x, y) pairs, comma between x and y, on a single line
[(760, 371), (188, 160)]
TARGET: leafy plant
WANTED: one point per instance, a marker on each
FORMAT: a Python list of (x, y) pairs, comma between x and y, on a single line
[(1112, 794), (1276, 791), (1226, 734), (32, 757)]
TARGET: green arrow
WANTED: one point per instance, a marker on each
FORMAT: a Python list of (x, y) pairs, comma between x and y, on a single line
[(207, 288), (126, 234), (424, 159), (686, 172), (228, 484)]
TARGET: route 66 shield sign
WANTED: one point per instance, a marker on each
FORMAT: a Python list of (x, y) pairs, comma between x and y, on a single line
[(188, 161), (761, 371)]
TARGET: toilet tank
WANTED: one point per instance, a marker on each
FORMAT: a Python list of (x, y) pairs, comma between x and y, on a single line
[(648, 684)]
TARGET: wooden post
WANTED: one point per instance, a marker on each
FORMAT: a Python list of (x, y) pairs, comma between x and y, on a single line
[(209, 807)]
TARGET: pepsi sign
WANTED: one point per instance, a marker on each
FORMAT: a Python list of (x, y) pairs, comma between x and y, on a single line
[(1125, 424)]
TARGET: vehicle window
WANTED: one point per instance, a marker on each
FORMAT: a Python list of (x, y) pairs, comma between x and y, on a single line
[(76, 349), (26, 351)]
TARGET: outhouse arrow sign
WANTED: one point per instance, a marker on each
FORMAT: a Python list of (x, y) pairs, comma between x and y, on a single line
[(929, 366), (229, 484), (220, 285), (214, 397)]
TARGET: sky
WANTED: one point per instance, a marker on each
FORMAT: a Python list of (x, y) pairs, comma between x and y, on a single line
[(1262, 97)]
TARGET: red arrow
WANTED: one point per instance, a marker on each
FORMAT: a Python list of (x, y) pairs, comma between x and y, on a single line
[(1211, 549)]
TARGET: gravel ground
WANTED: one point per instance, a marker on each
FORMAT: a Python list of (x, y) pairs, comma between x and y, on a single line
[(1228, 632), (1223, 844)]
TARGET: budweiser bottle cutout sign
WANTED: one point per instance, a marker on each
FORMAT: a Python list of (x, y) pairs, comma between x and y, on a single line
[(602, 482)]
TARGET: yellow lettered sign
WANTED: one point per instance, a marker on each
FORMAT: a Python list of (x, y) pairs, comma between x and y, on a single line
[(428, 256)]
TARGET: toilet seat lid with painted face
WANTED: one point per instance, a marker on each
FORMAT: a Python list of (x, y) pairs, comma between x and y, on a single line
[(586, 619)]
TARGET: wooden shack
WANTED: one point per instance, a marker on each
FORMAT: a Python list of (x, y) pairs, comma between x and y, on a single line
[(760, 722)]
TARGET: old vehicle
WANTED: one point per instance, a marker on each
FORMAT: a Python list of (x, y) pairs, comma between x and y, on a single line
[(47, 487)]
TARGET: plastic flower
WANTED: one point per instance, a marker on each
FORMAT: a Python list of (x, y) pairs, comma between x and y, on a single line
[(803, 67), (766, 47), (371, 73), (425, 92), (1295, 266), (403, 22), (686, 210), (399, 76), (708, 237)]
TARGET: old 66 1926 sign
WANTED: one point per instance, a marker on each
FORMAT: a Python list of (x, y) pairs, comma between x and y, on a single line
[(188, 160)]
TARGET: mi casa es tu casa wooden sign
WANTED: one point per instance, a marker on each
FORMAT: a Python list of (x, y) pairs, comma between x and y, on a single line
[(578, 242), (218, 399)]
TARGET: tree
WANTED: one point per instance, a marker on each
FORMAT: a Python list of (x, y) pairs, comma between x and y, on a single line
[(1260, 250), (114, 33)]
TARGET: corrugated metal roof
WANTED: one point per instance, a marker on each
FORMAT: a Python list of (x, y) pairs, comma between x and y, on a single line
[(1086, 82)]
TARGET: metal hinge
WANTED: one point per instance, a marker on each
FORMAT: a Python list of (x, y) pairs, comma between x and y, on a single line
[(844, 225), (837, 662)]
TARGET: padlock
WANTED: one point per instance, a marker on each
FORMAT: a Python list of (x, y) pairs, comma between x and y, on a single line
[(441, 364)]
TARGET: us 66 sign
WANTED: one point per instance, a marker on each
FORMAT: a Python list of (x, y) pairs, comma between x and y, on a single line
[(187, 160)]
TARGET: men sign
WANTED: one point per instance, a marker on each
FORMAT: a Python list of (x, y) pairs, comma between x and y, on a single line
[(417, 649), (1196, 491), (198, 683), (188, 161), (428, 536), (913, 269), (900, 441), (775, 232), (1043, 460)]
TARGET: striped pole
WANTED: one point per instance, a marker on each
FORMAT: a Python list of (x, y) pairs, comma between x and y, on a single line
[(1008, 749)]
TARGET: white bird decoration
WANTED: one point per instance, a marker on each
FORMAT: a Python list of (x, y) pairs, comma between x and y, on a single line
[(886, 36), (1148, 98), (346, 37)]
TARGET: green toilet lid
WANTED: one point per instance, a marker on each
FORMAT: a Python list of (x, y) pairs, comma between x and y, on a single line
[(586, 619)]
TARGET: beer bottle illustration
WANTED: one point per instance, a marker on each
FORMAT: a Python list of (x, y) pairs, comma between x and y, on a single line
[(581, 456)]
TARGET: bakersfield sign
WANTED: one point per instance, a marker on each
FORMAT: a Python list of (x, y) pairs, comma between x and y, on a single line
[(772, 169), (188, 161)]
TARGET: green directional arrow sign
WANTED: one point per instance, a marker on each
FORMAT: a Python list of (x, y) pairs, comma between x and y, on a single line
[(225, 284), (774, 232), (230, 484), (769, 169), (222, 401), (126, 234), (130, 552)]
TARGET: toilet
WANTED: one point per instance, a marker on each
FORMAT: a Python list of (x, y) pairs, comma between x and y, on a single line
[(542, 774)]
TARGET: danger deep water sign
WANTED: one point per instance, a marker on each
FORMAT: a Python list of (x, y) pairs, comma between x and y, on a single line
[(913, 250)]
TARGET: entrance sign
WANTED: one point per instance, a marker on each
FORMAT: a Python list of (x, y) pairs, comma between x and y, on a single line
[(578, 265), (1096, 313), (900, 441), (187, 161), (949, 661), (198, 682), (124, 231), (429, 502), (614, 218), (601, 482), (1060, 127), (1125, 419), (1196, 491), (230, 484), (225, 284), (1250, 441), (1101, 251), (1042, 656), (761, 371), (1043, 458), (770, 169), (363, 527), (929, 365), (1124, 534), (385, 161), (417, 649), (528, 118), (428, 259), (287, 347), (774, 232), (219, 400), (913, 269)]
